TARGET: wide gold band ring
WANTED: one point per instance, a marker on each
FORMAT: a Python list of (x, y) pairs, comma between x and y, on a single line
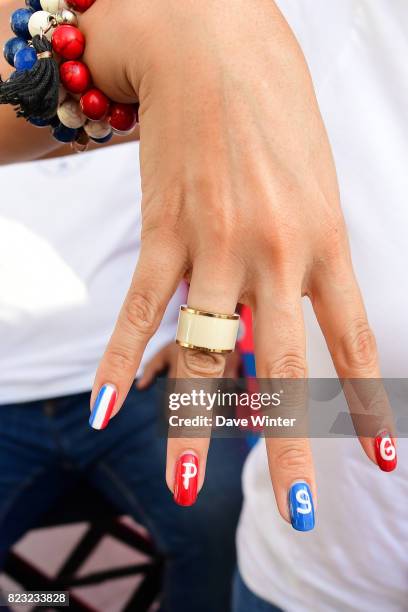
[(207, 331)]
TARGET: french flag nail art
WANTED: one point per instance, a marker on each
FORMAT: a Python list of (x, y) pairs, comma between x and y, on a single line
[(103, 406), (385, 452), (301, 506), (186, 479)]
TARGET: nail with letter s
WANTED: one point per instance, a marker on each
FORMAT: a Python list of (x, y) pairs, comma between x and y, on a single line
[(301, 507)]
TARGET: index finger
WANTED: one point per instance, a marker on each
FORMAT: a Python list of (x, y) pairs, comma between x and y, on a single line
[(156, 278)]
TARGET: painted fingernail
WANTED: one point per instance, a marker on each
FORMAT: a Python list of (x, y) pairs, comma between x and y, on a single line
[(103, 406), (186, 479), (301, 506), (385, 452)]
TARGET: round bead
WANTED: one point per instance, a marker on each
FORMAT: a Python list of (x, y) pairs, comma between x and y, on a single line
[(38, 122), (11, 47), (64, 134), (98, 129), (95, 105), (103, 140), (62, 94), (25, 59), (67, 17), (75, 77), (121, 133), (70, 114), (54, 122), (52, 6), (68, 42), (80, 5), (39, 22), (123, 117), (19, 22), (81, 143), (41, 123), (35, 5)]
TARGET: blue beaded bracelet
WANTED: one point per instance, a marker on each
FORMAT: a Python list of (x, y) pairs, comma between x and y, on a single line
[(45, 92)]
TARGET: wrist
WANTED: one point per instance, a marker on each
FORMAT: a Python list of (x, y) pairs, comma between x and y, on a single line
[(143, 39)]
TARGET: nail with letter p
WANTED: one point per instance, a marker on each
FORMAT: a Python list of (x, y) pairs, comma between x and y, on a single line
[(186, 479)]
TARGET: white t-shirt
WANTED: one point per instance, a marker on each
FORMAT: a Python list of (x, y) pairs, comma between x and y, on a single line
[(69, 242), (356, 559)]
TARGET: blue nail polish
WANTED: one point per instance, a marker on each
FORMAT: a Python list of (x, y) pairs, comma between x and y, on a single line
[(301, 507)]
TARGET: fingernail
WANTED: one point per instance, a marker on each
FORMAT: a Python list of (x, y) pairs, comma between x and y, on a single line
[(385, 452), (301, 506), (103, 406), (186, 479)]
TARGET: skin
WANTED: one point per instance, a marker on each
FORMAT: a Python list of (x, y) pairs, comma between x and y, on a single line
[(239, 196), (166, 361)]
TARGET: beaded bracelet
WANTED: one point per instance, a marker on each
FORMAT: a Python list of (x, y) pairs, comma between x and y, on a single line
[(50, 86)]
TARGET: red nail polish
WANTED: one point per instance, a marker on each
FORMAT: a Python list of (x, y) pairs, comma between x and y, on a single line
[(385, 452), (186, 479)]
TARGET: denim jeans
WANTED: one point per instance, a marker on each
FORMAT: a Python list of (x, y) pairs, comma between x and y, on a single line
[(47, 446), (245, 600)]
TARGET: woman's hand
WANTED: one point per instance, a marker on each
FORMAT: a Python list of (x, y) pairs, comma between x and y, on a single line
[(239, 195)]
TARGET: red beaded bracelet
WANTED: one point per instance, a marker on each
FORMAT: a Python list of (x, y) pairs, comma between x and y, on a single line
[(75, 109)]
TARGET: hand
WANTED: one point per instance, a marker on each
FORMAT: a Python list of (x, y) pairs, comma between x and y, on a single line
[(239, 195)]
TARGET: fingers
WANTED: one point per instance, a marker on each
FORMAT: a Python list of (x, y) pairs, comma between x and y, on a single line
[(155, 281), (340, 310), (213, 292), (233, 365), (280, 355)]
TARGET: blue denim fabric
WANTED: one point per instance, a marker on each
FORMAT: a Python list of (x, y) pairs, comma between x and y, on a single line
[(46, 446), (246, 601)]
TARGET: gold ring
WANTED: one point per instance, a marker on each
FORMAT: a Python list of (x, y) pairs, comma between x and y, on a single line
[(204, 313), (207, 331)]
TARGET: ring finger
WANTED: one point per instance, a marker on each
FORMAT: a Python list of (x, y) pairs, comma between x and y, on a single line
[(280, 357)]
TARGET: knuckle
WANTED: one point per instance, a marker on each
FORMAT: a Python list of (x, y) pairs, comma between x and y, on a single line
[(171, 198), (290, 458), (200, 363), (142, 312), (118, 361), (357, 348), (275, 239), (333, 246), (224, 233), (290, 365)]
